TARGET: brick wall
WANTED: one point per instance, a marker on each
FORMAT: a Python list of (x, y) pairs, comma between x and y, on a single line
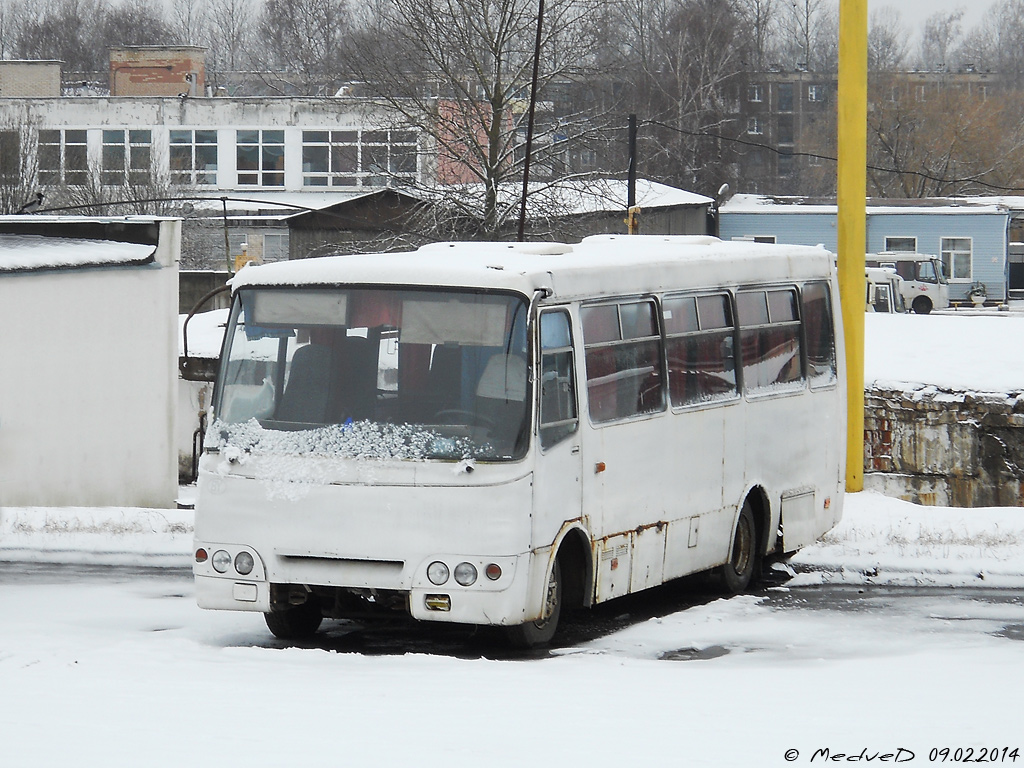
[(157, 71), (29, 79), (948, 448)]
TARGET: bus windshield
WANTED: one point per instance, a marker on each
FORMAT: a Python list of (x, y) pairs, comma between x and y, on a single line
[(376, 373)]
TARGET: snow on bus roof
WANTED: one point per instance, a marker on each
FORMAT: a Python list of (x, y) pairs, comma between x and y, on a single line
[(637, 262), (23, 253)]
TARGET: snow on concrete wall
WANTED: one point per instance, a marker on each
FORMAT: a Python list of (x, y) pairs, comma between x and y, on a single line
[(945, 448), (88, 376)]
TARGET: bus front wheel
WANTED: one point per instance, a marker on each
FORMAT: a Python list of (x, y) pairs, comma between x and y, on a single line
[(739, 571), (540, 632), (922, 305), (297, 622)]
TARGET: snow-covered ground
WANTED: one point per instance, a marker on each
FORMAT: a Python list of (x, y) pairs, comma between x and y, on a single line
[(117, 674)]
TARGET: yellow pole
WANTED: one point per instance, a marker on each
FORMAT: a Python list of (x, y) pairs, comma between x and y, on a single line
[(852, 223)]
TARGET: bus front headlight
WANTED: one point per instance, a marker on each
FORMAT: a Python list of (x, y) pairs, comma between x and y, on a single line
[(465, 574), (221, 561), (244, 563), (437, 572)]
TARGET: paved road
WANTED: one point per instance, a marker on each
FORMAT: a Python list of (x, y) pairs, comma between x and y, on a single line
[(980, 610)]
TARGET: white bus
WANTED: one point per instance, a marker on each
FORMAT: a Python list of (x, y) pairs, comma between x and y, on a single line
[(487, 433), (924, 282), (884, 290)]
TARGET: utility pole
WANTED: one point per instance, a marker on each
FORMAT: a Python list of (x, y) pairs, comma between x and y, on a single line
[(852, 219), (632, 209)]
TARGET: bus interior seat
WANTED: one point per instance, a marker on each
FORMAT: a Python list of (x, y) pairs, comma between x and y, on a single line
[(306, 395)]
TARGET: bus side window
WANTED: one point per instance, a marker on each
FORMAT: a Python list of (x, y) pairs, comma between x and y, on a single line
[(558, 415), (699, 346), (769, 340), (623, 360), (819, 335)]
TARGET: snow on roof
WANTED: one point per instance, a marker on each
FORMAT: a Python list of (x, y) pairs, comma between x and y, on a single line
[(288, 203), (574, 197), (20, 253), (961, 205), (601, 264)]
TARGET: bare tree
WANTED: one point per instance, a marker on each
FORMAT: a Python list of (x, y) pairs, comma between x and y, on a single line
[(953, 143), (17, 160), (66, 30), (305, 37), (460, 72), (809, 35), (997, 42), (762, 18), (887, 40), (230, 34), (942, 31), (190, 21)]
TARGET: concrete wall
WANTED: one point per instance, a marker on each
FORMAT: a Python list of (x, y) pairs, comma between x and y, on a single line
[(945, 448), (88, 377)]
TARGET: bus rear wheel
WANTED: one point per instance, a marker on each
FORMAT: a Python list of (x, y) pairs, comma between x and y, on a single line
[(540, 632), (922, 305), (298, 622), (738, 573)]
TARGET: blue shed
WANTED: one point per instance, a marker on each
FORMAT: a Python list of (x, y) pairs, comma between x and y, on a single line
[(971, 237)]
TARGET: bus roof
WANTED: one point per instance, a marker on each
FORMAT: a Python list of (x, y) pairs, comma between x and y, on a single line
[(599, 265)]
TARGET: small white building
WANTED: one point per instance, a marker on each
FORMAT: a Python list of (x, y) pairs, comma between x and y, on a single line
[(88, 361)]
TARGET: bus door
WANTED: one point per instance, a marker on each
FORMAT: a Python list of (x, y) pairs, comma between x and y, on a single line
[(557, 496), (625, 464)]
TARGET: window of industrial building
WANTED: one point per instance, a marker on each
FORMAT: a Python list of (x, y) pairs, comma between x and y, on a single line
[(755, 93), (785, 97), (63, 157), (260, 158), (957, 257), (353, 158), (754, 126), (10, 157), (193, 157), (901, 244), (127, 157), (815, 92)]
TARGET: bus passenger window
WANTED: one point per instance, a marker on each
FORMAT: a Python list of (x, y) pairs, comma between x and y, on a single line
[(819, 335), (623, 360), (701, 364), (769, 340), (558, 417)]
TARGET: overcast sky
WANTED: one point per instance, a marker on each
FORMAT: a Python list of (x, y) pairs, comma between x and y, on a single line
[(914, 12)]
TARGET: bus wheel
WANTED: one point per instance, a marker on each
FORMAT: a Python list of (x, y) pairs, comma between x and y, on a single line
[(739, 571), (535, 633), (298, 622), (922, 305)]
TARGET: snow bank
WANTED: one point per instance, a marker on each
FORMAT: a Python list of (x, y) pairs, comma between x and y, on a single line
[(882, 540), (100, 536)]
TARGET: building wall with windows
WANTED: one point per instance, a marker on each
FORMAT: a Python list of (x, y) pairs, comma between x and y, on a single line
[(972, 240), (293, 144), (786, 121)]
